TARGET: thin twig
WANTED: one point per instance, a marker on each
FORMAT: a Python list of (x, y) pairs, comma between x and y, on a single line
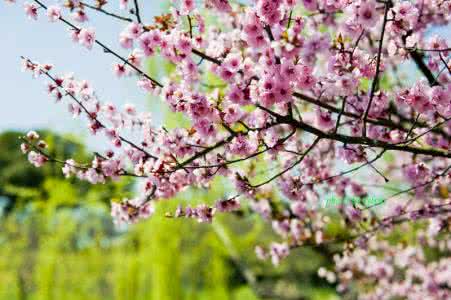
[(290, 167), (375, 82), (99, 9), (137, 14)]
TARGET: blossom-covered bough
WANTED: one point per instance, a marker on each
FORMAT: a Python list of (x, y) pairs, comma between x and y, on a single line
[(290, 101)]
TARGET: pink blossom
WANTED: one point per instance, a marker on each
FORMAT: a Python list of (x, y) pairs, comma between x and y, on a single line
[(406, 12), (136, 57), (53, 13), (123, 4), (69, 168), (233, 62), (228, 205), (205, 128), (75, 36), (146, 85), (278, 251), (32, 136), (441, 96), (437, 43), (236, 95), (25, 148), (86, 37), (36, 159), (220, 5), (310, 4), (119, 70), (367, 14), (134, 30), (261, 253), (416, 174), (324, 119), (125, 40), (130, 109), (130, 211), (147, 42), (352, 154), (269, 10), (242, 146), (187, 6), (418, 98), (80, 16), (232, 113), (31, 10)]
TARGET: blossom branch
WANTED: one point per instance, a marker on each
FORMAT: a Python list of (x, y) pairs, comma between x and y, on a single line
[(106, 48), (88, 114), (346, 139)]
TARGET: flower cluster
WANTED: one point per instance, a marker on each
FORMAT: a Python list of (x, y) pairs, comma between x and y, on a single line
[(131, 211), (386, 271), (204, 213)]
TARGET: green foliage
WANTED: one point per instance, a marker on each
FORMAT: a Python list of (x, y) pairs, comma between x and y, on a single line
[(76, 254), (21, 182)]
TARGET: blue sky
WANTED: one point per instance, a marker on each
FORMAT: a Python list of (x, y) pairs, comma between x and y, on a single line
[(25, 104)]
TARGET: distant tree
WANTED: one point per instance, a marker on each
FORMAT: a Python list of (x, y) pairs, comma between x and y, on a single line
[(22, 183)]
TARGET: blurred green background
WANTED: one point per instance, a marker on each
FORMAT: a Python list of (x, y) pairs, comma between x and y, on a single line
[(57, 241)]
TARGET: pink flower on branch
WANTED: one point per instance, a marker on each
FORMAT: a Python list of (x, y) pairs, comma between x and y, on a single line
[(54, 13), (87, 37), (31, 10)]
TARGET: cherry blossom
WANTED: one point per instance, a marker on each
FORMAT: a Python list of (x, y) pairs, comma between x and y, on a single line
[(53, 13), (86, 37), (130, 211), (31, 10)]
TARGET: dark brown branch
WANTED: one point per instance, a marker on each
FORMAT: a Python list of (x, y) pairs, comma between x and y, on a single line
[(206, 151), (190, 26), (375, 83), (343, 106), (408, 142), (346, 139), (428, 50), (206, 57), (418, 59), (99, 9), (137, 13), (380, 122), (445, 63), (271, 38), (413, 127)]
